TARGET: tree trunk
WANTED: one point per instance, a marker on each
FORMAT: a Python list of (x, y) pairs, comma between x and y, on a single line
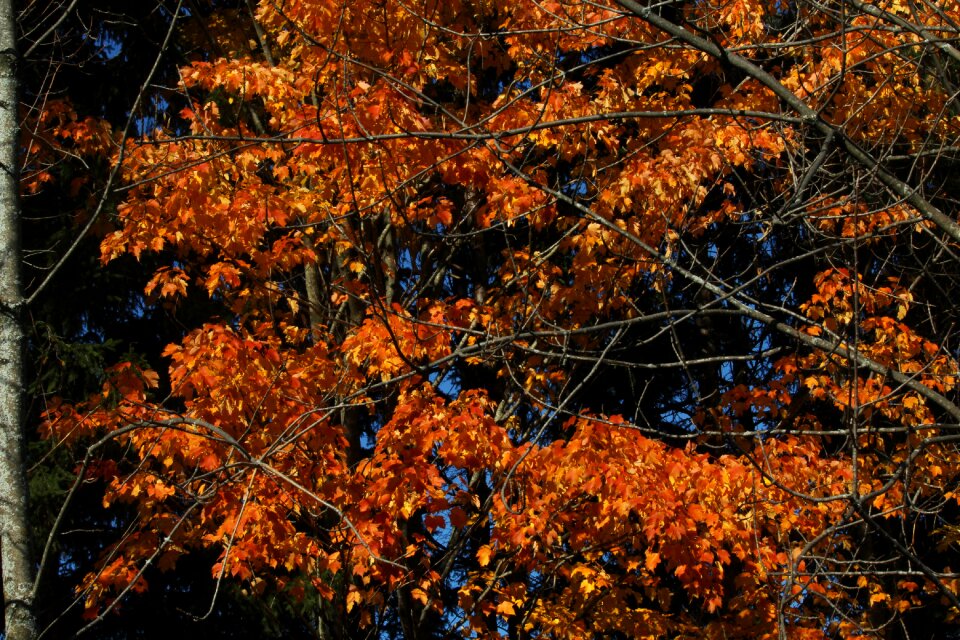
[(18, 571), (311, 276)]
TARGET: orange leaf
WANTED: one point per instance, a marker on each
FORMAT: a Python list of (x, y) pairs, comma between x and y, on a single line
[(483, 555)]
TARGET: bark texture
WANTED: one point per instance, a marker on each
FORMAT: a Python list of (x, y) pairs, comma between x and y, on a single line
[(17, 567)]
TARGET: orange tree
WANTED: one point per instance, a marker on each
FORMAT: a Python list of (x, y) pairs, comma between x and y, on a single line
[(77, 316), (548, 319)]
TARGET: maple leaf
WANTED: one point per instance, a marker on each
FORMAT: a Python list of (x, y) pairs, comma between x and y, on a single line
[(484, 553)]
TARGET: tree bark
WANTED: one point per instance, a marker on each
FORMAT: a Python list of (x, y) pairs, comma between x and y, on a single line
[(17, 567), (311, 276)]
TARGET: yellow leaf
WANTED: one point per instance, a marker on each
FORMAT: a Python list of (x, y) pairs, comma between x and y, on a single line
[(353, 599), (419, 595), (483, 555), (506, 608)]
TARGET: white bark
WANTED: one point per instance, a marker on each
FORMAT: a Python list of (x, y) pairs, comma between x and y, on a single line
[(17, 567)]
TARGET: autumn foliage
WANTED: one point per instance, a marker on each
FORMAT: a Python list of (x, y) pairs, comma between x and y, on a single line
[(545, 319)]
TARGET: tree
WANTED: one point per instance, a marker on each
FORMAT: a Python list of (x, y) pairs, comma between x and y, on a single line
[(78, 317), (546, 319), (14, 532)]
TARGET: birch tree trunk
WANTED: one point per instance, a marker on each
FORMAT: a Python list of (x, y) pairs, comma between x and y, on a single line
[(18, 571)]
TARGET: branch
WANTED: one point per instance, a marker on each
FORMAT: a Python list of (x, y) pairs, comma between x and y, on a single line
[(809, 115)]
